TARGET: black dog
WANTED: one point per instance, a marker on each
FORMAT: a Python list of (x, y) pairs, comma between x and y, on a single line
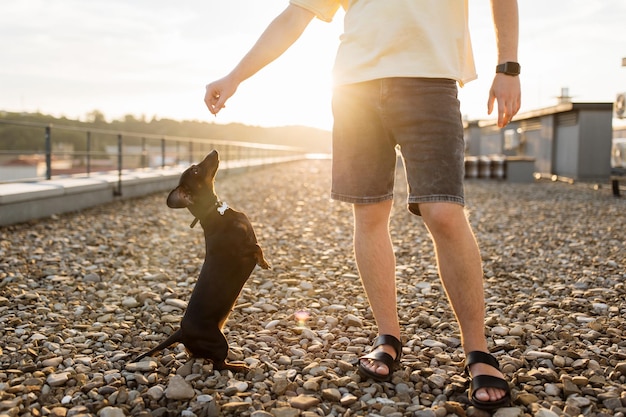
[(232, 252)]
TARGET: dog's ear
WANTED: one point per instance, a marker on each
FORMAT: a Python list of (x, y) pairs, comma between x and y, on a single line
[(179, 198)]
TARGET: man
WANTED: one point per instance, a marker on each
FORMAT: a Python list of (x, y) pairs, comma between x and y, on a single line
[(395, 79)]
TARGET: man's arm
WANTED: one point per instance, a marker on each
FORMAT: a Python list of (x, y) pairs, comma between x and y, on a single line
[(281, 33), (505, 89)]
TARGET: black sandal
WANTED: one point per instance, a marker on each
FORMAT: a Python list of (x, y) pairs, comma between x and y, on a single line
[(380, 356), (486, 381)]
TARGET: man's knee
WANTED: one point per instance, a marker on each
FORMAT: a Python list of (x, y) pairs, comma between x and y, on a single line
[(443, 218), (372, 215)]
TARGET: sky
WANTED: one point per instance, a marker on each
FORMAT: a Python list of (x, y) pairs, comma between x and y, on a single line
[(153, 58)]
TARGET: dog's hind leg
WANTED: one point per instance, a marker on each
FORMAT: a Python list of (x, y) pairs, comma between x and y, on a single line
[(233, 367)]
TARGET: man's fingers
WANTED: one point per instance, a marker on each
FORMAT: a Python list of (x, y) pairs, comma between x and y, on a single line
[(213, 100), (504, 114), (490, 104), (217, 93), (507, 111), (502, 119), (490, 101)]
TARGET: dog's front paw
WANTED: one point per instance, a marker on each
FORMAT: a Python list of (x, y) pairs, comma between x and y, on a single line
[(263, 264), (260, 258)]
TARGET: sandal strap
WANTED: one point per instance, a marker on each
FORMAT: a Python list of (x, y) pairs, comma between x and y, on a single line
[(477, 356), (379, 356), (488, 381), (387, 339)]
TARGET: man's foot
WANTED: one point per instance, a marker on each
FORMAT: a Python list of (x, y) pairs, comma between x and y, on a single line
[(375, 366), (487, 394), (488, 389), (384, 358)]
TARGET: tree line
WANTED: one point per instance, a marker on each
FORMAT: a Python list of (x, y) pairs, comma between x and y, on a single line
[(20, 137)]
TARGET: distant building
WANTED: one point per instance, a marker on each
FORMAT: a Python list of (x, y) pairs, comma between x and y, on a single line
[(30, 167), (23, 167), (571, 140)]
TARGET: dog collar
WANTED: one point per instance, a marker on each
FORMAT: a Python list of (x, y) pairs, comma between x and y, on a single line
[(221, 209)]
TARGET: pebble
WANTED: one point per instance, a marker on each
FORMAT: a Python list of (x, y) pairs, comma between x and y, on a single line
[(58, 412), (130, 302), (545, 413), (156, 392), (111, 412), (348, 399), (52, 362), (533, 354), (352, 320), (331, 394), (179, 389), (272, 324), (285, 412), (58, 379), (236, 387), (82, 293), (143, 366), (552, 390), (303, 402), (174, 302), (425, 413)]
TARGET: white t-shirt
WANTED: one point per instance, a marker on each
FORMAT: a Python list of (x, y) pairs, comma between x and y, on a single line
[(399, 38)]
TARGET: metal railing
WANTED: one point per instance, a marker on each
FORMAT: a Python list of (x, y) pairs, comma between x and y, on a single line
[(81, 151)]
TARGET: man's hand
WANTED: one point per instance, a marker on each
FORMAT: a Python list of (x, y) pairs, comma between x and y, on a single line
[(284, 30), (218, 92), (506, 90)]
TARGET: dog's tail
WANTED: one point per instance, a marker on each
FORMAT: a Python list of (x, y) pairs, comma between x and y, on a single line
[(174, 338)]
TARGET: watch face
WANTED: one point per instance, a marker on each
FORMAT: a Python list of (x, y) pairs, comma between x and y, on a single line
[(509, 68), (513, 68)]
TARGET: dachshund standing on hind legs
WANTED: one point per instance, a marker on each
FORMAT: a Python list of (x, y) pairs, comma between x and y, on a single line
[(232, 252)]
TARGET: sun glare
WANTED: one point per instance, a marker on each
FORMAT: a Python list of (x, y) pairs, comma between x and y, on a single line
[(296, 87)]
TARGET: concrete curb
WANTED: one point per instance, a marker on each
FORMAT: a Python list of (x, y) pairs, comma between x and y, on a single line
[(21, 202)]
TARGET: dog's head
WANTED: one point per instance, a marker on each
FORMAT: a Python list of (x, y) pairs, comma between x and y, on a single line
[(196, 184)]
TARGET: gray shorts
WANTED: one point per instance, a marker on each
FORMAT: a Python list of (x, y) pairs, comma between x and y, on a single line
[(419, 116)]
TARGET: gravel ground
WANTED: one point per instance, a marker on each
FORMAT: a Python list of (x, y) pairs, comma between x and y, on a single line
[(80, 291)]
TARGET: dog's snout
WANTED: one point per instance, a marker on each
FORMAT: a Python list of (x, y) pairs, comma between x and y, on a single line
[(210, 164), (213, 156)]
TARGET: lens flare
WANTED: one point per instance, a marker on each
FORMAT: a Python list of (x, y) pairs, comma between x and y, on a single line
[(301, 317)]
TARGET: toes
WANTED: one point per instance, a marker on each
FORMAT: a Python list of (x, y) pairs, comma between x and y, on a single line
[(375, 366), (489, 394), (482, 395)]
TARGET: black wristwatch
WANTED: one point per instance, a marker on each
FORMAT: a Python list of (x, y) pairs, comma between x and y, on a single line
[(509, 68)]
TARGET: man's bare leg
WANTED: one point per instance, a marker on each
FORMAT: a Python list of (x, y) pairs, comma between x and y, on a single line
[(460, 269), (377, 267)]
